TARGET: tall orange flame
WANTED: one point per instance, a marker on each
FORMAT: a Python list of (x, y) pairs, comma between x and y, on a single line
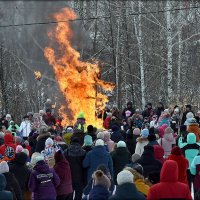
[(79, 81)]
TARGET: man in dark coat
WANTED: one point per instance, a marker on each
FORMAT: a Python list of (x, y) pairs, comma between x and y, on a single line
[(40, 146), (116, 135), (20, 170), (75, 155), (121, 157), (128, 111), (148, 162)]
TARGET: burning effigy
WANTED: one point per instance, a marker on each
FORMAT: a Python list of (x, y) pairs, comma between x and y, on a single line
[(78, 81)]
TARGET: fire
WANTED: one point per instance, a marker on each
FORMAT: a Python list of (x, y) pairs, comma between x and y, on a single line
[(38, 75), (78, 80)]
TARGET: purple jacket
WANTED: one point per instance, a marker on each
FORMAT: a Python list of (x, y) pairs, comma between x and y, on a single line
[(43, 182)]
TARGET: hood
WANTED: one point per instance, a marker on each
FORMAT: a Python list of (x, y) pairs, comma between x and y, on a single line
[(62, 164), (169, 171), (3, 182), (41, 167), (8, 138), (191, 138), (169, 137), (100, 151), (21, 158)]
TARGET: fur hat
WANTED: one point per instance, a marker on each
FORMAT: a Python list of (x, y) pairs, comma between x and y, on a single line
[(176, 151), (19, 149), (88, 140), (121, 144), (136, 131), (135, 157), (144, 133), (101, 179), (99, 142), (125, 176), (4, 167), (49, 142)]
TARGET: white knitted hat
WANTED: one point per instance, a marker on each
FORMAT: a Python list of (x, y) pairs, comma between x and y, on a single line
[(49, 142), (121, 144), (4, 167), (125, 177), (99, 142)]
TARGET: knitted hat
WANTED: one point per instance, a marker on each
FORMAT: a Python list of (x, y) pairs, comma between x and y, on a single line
[(99, 142), (26, 151), (144, 133), (125, 176), (4, 167), (121, 144), (176, 151), (100, 135), (101, 179), (136, 131), (19, 149), (69, 130), (88, 140), (81, 115), (39, 158), (135, 157), (190, 115), (33, 158), (49, 142)]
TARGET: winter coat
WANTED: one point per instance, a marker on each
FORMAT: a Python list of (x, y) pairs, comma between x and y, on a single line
[(96, 157), (159, 153), (43, 182), (106, 122), (169, 187), (75, 156), (149, 163), (194, 128), (87, 148), (40, 146), (141, 142), (110, 144), (67, 138), (116, 136), (25, 128), (80, 125), (8, 149), (4, 194), (20, 170), (13, 185), (166, 142), (62, 169), (131, 142), (183, 164), (142, 186), (189, 149), (98, 192), (127, 191), (120, 157)]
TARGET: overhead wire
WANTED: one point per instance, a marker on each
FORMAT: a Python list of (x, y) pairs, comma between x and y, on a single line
[(95, 18)]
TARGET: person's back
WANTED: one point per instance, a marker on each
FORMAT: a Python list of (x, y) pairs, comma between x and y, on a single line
[(96, 157), (126, 189), (169, 187), (20, 170), (4, 194), (120, 158), (43, 181)]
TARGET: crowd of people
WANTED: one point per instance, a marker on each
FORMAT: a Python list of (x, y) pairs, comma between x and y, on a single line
[(151, 154)]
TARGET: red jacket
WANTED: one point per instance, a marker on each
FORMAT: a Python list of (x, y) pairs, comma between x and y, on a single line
[(159, 153), (106, 122), (183, 164), (169, 187), (8, 142)]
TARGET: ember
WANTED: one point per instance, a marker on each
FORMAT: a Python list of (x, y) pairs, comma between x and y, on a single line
[(38, 75)]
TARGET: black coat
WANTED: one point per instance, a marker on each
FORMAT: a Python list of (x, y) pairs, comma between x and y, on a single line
[(121, 157), (149, 163), (20, 170), (75, 155), (131, 142), (13, 185), (4, 194), (127, 191), (40, 146), (116, 136)]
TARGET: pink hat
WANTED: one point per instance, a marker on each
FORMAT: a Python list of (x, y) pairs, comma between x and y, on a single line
[(161, 130), (19, 149), (136, 131)]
